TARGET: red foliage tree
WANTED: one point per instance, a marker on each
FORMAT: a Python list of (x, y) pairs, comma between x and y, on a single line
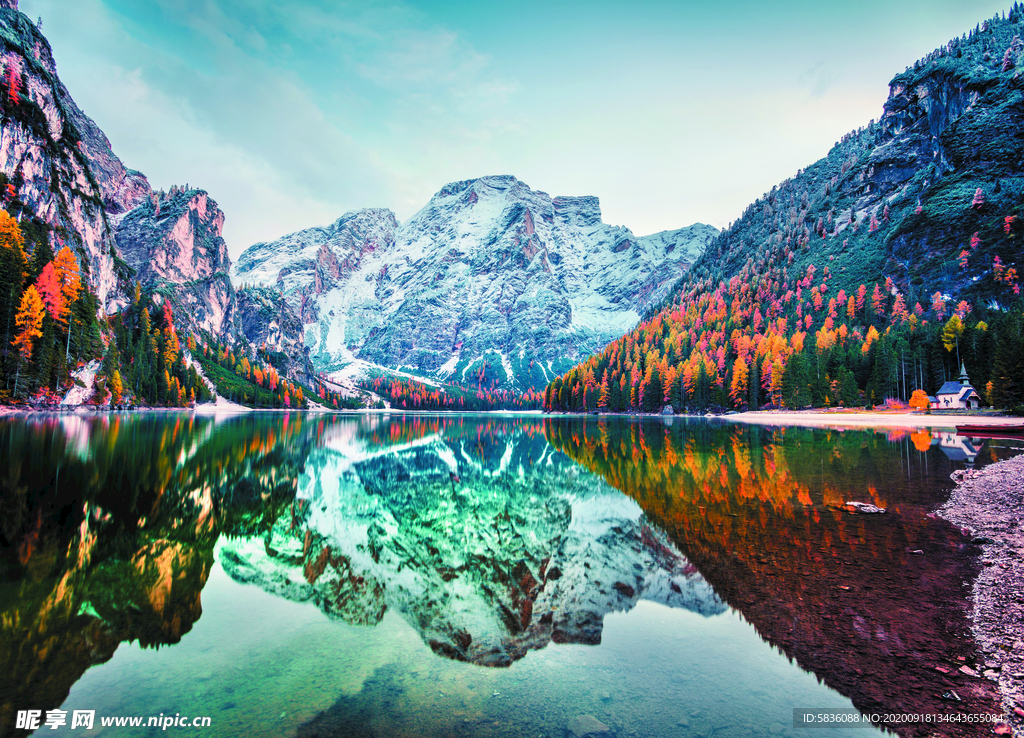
[(49, 287)]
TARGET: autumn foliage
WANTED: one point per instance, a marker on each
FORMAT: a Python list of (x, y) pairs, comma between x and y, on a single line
[(771, 337)]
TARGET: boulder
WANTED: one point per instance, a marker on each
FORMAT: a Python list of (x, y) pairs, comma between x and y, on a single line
[(582, 726)]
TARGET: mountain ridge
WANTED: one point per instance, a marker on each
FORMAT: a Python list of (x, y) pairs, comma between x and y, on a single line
[(490, 275)]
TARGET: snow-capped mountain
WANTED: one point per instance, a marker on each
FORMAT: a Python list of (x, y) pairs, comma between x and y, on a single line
[(490, 271)]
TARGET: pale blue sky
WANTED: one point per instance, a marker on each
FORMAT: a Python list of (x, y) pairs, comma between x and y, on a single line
[(292, 113)]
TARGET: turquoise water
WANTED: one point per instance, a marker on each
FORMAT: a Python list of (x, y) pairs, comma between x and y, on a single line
[(658, 671), (479, 576)]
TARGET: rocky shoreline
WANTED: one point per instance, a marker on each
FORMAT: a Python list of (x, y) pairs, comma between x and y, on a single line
[(988, 503)]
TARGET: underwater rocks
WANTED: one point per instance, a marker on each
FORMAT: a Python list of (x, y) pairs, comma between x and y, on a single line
[(587, 726)]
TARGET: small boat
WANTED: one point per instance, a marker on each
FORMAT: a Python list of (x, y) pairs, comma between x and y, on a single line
[(991, 430)]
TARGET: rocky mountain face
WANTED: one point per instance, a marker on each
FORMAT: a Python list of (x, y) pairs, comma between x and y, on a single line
[(67, 185), (267, 321), (484, 557), (490, 271), (903, 196), (47, 152), (172, 242)]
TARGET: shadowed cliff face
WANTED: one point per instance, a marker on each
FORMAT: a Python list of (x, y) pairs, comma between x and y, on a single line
[(896, 198), (876, 606), (473, 539), (264, 318)]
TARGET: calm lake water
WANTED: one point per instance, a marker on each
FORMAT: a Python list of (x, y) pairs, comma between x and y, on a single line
[(390, 575)]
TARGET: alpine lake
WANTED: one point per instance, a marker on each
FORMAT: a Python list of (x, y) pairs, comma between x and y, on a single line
[(482, 575)]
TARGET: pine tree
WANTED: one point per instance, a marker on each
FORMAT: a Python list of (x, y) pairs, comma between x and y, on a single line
[(13, 273), (65, 264), (738, 386), (116, 388)]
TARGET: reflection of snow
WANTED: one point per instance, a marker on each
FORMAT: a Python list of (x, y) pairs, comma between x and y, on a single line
[(486, 564), (76, 430)]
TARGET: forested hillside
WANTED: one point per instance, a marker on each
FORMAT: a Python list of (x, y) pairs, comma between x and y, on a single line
[(874, 272)]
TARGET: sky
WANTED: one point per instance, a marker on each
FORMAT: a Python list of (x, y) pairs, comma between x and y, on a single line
[(291, 114)]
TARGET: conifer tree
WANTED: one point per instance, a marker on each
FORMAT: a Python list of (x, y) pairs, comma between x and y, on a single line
[(29, 321), (65, 264), (116, 388)]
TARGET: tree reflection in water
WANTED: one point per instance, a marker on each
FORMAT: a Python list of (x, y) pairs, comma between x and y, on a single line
[(875, 605)]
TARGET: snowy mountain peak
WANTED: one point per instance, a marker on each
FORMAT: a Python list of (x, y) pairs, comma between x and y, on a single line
[(489, 272)]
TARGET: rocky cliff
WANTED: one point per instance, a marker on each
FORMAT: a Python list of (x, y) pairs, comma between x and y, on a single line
[(67, 185), (905, 195), (47, 152), (268, 323), (489, 269), (172, 242)]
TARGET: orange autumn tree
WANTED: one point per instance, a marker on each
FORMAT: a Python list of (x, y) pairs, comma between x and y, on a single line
[(919, 400), (738, 387), (65, 264), (116, 388), (29, 321)]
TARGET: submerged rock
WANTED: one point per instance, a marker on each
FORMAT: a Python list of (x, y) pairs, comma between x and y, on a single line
[(582, 726), (865, 507)]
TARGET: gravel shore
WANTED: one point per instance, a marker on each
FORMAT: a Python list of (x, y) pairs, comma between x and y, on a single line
[(989, 503)]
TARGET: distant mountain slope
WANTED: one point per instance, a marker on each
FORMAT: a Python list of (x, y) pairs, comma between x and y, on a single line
[(951, 125), (490, 280), (838, 285)]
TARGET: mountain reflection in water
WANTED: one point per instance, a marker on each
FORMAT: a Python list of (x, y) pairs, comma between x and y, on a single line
[(491, 538), (487, 544)]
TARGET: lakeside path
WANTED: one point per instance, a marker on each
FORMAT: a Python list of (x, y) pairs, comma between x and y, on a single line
[(853, 419)]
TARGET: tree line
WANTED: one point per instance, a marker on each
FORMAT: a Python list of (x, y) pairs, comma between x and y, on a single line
[(766, 338)]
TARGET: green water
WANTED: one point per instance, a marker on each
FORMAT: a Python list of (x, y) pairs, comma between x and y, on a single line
[(479, 576)]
